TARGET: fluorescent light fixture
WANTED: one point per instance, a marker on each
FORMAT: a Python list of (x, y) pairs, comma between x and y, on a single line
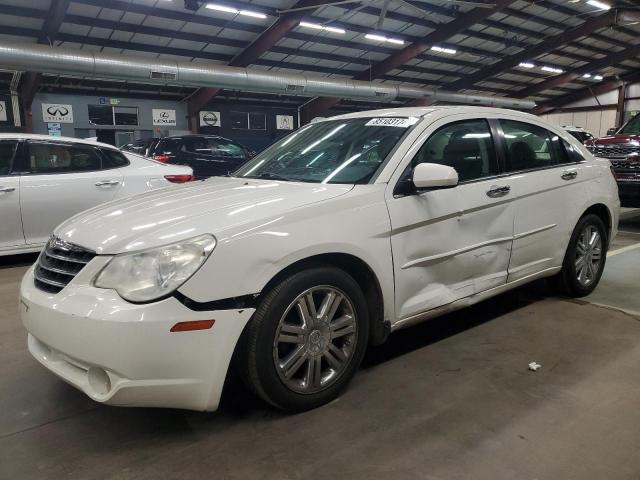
[(599, 5), (450, 51), (317, 26), (586, 75), (526, 65), (552, 69), (382, 38), (224, 8), (598, 77)]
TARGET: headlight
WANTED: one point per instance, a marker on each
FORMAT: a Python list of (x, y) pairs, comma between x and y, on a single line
[(150, 274)]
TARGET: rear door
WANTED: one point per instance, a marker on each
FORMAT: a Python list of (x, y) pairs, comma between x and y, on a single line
[(60, 180), (10, 223), (547, 184), (450, 243)]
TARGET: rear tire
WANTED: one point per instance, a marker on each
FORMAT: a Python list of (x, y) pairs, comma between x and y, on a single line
[(306, 339), (585, 257)]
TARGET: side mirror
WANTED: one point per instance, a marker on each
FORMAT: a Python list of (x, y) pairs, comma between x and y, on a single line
[(434, 175), (612, 131)]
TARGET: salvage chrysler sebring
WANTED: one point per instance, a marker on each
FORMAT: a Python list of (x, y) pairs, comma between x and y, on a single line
[(320, 246)]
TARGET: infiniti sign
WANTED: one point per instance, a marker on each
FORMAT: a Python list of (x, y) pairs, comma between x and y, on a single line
[(57, 113)]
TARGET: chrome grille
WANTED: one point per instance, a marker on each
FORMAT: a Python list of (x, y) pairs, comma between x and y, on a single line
[(614, 151), (626, 164), (58, 263)]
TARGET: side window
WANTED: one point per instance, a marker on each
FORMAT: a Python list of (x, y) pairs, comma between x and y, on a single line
[(7, 151), (113, 159), (227, 150), (62, 158), (195, 145), (572, 152), (530, 146), (466, 146)]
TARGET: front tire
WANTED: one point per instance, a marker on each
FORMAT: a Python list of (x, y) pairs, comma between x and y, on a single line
[(585, 257), (306, 339)]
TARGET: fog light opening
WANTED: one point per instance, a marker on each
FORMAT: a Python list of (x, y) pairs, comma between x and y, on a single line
[(99, 381)]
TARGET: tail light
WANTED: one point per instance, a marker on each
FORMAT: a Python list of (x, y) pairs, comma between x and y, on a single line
[(180, 178), (161, 158)]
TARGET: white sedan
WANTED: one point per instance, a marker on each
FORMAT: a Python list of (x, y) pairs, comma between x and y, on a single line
[(327, 241), (45, 180)]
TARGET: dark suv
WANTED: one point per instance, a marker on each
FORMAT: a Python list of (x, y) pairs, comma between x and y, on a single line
[(622, 148), (207, 155)]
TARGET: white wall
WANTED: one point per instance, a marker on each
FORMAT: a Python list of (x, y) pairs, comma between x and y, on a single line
[(601, 115), (595, 121)]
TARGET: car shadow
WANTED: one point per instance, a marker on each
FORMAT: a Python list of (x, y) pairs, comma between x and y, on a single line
[(22, 260)]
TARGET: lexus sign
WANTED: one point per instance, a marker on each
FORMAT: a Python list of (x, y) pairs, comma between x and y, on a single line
[(57, 113), (161, 117)]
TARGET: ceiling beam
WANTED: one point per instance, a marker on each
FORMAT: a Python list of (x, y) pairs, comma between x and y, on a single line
[(565, 78), (583, 94), (542, 48), (319, 105), (266, 40)]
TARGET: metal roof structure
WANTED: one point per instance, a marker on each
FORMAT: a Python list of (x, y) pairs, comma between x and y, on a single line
[(548, 50)]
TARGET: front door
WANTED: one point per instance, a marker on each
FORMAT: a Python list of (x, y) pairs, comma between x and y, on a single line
[(451, 243), (62, 179), (10, 223)]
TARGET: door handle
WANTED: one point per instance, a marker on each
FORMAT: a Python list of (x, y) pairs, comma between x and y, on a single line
[(569, 174), (498, 191), (106, 183), (7, 189)]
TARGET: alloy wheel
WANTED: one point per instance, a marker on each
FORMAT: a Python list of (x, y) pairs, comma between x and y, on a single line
[(315, 339), (588, 255)]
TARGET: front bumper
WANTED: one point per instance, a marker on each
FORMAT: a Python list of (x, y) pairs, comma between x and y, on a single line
[(120, 353), (629, 193)]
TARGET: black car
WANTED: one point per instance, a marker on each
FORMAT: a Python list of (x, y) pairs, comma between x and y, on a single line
[(207, 155)]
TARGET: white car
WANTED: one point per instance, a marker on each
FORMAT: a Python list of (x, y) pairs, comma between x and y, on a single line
[(45, 180), (347, 229)]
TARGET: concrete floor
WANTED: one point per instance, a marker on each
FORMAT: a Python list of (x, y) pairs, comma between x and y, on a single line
[(450, 399)]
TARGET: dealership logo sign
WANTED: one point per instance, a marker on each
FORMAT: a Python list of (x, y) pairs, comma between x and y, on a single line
[(209, 119), (284, 122), (57, 113), (165, 118)]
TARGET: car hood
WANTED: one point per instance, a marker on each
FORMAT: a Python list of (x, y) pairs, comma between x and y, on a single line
[(172, 214), (615, 140)]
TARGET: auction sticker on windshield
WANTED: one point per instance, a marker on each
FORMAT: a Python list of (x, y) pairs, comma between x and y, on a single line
[(391, 122)]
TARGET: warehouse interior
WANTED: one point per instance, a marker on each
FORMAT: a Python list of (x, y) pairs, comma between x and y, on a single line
[(454, 397)]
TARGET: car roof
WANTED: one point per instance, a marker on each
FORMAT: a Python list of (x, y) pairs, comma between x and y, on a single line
[(424, 111), (33, 136)]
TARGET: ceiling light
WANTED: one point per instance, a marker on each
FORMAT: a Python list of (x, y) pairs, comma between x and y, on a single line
[(598, 77), (224, 8), (317, 26), (526, 65), (552, 69), (586, 75), (382, 38), (450, 51), (599, 5)]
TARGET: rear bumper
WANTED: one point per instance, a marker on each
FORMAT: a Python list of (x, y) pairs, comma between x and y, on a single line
[(124, 354)]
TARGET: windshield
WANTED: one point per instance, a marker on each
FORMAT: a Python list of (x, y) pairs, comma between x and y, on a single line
[(633, 127), (337, 151)]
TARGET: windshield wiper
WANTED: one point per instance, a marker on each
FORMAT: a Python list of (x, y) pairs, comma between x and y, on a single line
[(271, 176)]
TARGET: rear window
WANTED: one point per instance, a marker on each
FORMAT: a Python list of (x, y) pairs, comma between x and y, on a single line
[(113, 159)]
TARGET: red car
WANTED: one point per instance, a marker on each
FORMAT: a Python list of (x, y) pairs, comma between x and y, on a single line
[(622, 148)]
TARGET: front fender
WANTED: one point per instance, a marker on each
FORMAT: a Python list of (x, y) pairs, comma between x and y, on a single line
[(247, 257)]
